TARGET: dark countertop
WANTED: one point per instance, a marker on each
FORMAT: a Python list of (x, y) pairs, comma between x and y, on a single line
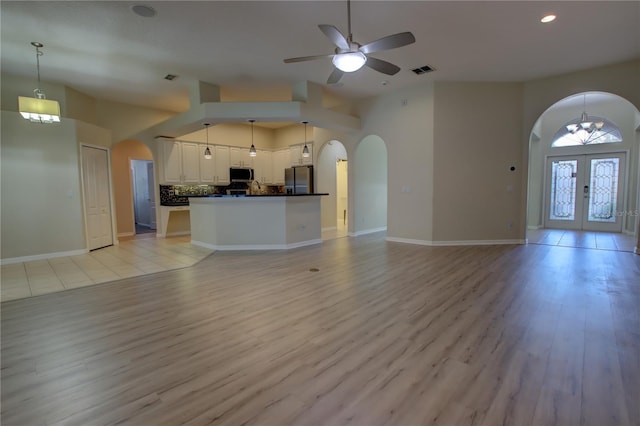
[(261, 195)]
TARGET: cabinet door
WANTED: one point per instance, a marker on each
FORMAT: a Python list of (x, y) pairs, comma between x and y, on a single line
[(190, 162), (172, 161), (281, 160), (295, 154), (221, 155), (263, 166), (207, 167), (239, 157)]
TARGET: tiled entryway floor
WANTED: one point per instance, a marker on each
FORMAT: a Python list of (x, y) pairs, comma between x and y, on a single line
[(133, 257), (582, 239)]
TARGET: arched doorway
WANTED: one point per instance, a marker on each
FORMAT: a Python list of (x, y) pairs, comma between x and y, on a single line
[(583, 173), (369, 173), (134, 188), (333, 178)]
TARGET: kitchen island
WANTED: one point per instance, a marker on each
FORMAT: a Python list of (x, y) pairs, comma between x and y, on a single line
[(255, 222)]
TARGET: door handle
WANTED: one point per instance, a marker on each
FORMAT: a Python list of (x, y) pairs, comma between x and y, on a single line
[(586, 191)]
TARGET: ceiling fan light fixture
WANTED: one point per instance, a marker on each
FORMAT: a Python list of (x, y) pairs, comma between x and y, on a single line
[(349, 61)]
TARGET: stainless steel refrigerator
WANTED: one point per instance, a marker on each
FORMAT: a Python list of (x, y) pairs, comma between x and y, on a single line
[(298, 180)]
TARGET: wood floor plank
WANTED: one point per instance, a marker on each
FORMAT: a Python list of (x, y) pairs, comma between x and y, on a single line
[(382, 333)]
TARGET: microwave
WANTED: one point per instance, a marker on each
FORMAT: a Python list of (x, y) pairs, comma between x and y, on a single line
[(240, 174)]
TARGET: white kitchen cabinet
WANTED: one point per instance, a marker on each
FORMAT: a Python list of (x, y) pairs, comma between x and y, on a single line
[(239, 157), (221, 159), (190, 162), (281, 160), (207, 166), (296, 158), (263, 166), (180, 162)]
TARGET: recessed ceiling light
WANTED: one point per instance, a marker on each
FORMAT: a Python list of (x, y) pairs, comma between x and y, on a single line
[(143, 10), (548, 18)]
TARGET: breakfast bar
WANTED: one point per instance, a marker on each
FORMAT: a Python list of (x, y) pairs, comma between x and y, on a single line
[(258, 222)]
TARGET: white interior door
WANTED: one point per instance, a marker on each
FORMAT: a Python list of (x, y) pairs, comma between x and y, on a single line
[(585, 192), (97, 198)]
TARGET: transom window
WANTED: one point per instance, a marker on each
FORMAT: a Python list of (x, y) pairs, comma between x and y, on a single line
[(586, 130)]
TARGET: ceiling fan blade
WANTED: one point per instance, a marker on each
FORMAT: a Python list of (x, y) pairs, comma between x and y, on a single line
[(306, 58), (388, 42), (382, 66), (335, 76), (334, 35)]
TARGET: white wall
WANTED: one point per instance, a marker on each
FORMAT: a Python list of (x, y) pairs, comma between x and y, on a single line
[(41, 199)]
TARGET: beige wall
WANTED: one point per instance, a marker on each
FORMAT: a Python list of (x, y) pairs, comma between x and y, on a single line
[(121, 153), (126, 120), (40, 188), (478, 127), (80, 107), (404, 121)]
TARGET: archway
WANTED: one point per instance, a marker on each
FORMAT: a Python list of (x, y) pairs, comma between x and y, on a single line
[(124, 155), (333, 178), (580, 198), (369, 171)]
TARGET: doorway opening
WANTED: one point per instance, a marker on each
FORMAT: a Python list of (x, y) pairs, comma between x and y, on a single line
[(333, 179), (144, 204)]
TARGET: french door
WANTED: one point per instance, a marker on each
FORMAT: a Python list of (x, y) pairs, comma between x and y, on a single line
[(585, 192)]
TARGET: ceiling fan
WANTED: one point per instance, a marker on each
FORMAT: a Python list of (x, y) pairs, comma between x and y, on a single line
[(350, 55)]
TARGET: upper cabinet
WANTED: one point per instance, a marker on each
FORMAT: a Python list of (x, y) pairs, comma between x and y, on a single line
[(180, 162), (222, 164), (240, 157), (281, 160), (296, 157), (263, 166)]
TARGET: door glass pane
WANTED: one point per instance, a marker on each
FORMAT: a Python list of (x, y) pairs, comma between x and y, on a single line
[(603, 196), (563, 190)]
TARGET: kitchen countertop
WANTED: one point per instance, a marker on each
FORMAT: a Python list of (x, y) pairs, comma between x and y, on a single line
[(262, 195)]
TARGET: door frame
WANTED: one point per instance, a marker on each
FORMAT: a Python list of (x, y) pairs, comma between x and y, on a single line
[(624, 181), (114, 235)]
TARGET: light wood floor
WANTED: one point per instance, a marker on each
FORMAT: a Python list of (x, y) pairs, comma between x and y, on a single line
[(382, 333)]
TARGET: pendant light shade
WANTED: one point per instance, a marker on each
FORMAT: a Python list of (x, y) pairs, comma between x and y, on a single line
[(252, 150), (305, 150), (207, 151), (584, 123), (39, 109)]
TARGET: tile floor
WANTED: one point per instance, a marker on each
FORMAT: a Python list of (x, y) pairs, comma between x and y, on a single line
[(583, 239), (141, 255)]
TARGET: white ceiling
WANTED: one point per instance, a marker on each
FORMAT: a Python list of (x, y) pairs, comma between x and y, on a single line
[(103, 49)]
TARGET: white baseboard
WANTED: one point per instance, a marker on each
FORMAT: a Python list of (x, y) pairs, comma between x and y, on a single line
[(126, 234), (456, 243), (367, 231), (331, 228), (256, 246), (42, 256), (534, 227), (630, 233)]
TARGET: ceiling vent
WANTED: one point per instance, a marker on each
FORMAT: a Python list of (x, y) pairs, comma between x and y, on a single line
[(423, 70), (170, 77)]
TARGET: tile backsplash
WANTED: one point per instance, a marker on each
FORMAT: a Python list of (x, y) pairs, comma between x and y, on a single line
[(172, 195)]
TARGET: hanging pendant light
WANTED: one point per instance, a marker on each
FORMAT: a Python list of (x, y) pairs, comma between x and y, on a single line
[(207, 151), (584, 123), (252, 150), (305, 150), (39, 109)]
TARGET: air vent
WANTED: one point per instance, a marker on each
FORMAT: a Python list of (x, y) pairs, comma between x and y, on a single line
[(423, 70), (170, 77), (143, 10)]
